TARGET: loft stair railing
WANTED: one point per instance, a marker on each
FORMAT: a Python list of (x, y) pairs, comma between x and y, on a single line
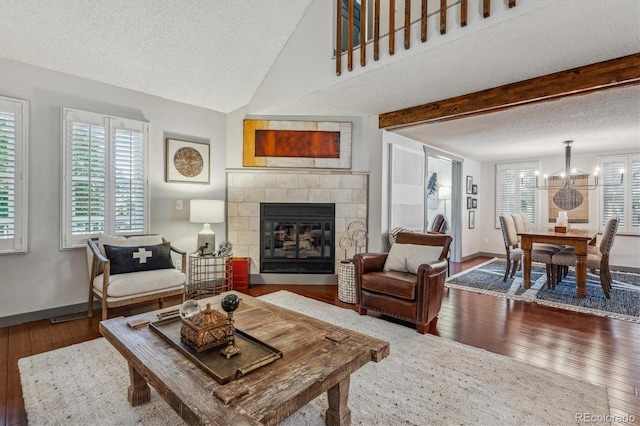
[(355, 15)]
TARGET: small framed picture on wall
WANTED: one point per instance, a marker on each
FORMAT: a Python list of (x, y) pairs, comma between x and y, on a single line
[(469, 203), (474, 189), (469, 184), (472, 219), (474, 203)]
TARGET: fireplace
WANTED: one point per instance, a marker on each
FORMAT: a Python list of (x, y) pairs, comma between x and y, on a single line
[(297, 238)]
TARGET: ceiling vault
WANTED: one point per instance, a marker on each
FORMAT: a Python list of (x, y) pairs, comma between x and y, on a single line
[(577, 81)]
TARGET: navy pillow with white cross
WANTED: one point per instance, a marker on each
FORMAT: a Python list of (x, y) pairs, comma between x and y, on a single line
[(125, 259)]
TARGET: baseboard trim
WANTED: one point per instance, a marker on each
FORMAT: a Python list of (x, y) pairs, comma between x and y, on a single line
[(46, 314)]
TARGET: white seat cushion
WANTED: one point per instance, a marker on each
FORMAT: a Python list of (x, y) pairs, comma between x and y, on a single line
[(135, 283)]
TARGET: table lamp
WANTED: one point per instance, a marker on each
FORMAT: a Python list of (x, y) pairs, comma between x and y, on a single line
[(207, 212)]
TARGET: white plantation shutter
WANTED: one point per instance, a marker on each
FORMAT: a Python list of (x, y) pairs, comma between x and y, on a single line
[(514, 190), (621, 200), (7, 174), (527, 191), (88, 160), (633, 177), (105, 183), (129, 181), (505, 191), (13, 172)]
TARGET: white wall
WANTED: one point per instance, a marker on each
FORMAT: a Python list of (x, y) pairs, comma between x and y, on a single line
[(472, 239), (47, 277)]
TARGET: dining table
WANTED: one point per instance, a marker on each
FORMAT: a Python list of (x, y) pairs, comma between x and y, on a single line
[(580, 239)]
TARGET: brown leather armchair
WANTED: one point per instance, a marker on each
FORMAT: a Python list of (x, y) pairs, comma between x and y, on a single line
[(410, 297)]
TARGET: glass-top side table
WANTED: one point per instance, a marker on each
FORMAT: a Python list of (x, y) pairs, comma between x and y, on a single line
[(209, 275)]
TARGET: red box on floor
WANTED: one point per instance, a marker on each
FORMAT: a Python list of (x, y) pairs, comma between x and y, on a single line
[(241, 272)]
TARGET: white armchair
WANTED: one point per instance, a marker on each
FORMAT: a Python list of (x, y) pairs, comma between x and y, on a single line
[(128, 270)]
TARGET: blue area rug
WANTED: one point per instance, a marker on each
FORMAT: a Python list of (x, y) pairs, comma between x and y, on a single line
[(487, 279)]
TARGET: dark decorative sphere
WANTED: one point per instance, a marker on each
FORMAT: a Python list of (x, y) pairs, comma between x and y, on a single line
[(230, 303)]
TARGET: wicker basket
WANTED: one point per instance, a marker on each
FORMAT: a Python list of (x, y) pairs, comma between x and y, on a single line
[(347, 282)]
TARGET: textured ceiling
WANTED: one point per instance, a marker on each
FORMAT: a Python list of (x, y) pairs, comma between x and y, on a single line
[(183, 50), (187, 50)]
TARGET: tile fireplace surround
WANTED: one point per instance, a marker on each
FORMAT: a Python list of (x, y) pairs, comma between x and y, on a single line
[(247, 188)]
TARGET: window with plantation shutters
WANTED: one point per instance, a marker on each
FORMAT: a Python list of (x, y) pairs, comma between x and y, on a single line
[(621, 200), (515, 192), (105, 183), (13, 175)]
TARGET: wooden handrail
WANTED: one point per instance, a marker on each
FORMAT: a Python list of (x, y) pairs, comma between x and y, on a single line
[(347, 17)]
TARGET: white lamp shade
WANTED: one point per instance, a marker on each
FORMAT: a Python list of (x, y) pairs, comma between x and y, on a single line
[(206, 211), (444, 193)]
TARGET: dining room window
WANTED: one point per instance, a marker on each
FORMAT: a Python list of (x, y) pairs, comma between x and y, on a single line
[(621, 200), (515, 190)]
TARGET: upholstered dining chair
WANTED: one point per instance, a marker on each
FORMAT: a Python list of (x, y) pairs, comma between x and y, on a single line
[(523, 224), (135, 269), (514, 253), (438, 224), (408, 282), (597, 258)]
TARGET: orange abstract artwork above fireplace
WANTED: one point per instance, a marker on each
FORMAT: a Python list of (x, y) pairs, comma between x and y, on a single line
[(297, 143), (290, 144)]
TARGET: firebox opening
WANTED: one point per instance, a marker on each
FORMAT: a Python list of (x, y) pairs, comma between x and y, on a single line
[(297, 238)]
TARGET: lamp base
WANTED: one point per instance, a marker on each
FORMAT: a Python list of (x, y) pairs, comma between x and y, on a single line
[(206, 236)]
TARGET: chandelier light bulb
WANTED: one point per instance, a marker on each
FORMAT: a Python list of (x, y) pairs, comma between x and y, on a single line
[(621, 171), (536, 173), (563, 175), (545, 176)]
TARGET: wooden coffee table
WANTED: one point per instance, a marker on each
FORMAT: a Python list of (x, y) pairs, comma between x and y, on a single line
[(317, 357)]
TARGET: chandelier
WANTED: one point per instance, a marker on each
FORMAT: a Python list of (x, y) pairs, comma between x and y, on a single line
[(570, 178)]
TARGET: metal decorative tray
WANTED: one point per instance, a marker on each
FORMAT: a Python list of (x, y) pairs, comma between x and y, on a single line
[(253, 353)]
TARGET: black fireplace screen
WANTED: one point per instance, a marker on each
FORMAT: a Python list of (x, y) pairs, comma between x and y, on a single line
[(297, 238)]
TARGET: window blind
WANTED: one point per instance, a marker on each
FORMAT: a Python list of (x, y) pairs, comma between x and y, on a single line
[(621, 200), (7, 174), (106, 180), (634, 180), (87, 178), (515, 192), (129, 181), (613, 196), (14, 126)]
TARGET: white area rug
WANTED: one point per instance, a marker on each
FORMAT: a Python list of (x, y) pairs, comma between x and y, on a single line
[(426, 380)]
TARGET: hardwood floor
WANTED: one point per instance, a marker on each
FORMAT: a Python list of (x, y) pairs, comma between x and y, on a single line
[(600, 350)]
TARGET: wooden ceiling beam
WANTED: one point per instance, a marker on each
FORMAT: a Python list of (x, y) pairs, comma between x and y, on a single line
[(589, 78)]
